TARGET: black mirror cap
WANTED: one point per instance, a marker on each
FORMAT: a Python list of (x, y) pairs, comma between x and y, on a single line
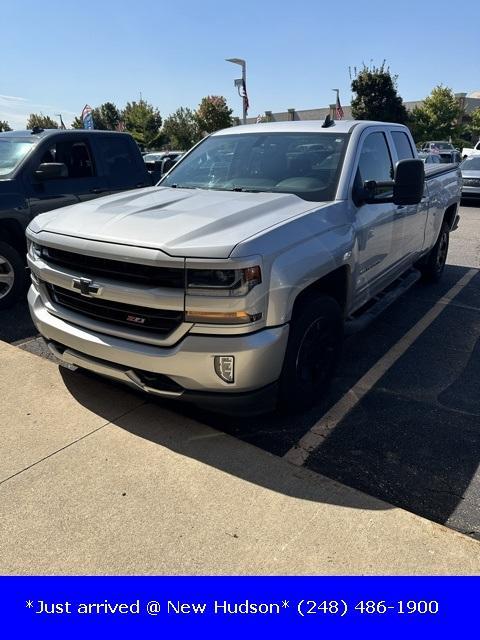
[(409, 182), (51, 170)]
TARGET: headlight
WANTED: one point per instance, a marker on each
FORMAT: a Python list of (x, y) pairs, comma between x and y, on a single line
[(222, 282), (34, 250)]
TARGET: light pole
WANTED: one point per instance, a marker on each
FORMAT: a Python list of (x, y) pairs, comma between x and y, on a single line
[(241, 84)]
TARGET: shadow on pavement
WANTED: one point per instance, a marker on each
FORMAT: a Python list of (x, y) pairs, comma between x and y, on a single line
[(188, 437), (16, 323), (414, 440)]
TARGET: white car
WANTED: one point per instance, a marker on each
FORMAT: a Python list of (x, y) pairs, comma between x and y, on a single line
[(467, 151)]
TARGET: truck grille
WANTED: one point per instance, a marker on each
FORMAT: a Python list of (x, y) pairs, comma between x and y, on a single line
[(471, 182), (160, 321), (170, 277)]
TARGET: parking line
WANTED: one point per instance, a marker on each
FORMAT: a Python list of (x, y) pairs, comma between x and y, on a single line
[(315, 437)]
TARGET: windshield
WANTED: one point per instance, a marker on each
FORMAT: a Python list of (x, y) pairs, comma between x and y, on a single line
[(12, 153), (152, 157), (304, 164), (471, 164), (442, 145)]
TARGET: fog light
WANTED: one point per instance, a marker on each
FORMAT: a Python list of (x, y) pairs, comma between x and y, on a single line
[(225, 368)]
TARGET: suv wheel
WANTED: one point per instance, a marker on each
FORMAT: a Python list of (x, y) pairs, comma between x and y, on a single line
[(313, 351), (13, 276)]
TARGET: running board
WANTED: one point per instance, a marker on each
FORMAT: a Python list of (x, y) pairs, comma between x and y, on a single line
[(381, 302)]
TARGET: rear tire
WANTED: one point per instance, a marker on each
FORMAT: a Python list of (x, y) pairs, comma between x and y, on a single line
[(13, 276), (434, 264), (313, 351)]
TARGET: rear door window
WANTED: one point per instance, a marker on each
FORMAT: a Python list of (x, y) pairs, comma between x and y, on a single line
[(402, 145), (124, 168)]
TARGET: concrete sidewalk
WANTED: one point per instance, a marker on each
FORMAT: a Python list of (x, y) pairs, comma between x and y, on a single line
[(96, 480)]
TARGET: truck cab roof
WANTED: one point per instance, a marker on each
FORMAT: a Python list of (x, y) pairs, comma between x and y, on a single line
[(300, 126), (40, 134)]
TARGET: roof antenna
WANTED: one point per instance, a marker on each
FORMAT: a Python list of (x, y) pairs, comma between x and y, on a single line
[(328, 122)]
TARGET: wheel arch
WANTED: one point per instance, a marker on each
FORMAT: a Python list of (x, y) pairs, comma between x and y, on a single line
[(335, 284), (12, 232)]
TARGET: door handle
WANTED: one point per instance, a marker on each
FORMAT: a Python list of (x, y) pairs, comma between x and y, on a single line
[(98, 190)]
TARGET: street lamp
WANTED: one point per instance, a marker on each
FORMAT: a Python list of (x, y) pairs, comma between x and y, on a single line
[(241, 84)]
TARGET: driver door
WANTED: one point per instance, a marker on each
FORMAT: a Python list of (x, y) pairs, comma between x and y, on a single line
[(374, 223), (80, 183)]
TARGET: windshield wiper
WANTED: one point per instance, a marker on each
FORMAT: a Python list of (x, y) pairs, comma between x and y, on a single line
[(249, 190), (180, 186)]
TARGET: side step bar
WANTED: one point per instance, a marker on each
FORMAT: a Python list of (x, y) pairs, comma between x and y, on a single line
[(381, 302)]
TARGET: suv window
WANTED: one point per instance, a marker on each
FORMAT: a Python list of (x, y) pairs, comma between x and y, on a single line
[(402, 145), (75, 154), (375, 162)]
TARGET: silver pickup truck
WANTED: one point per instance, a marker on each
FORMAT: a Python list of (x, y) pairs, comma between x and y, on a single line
[(231, 283)]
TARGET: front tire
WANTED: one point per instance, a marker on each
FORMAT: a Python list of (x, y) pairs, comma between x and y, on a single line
[(313, 351), (13, 276)]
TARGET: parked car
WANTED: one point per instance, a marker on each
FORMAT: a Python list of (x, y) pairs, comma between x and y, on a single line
[(450, 157), (466, 151), (230, 284), (153, 156), (435, 146), (41, 170), (161, 161), (471, 177), (429, 158)]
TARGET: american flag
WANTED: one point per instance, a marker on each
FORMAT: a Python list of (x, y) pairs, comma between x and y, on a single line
[(243, 93), (338, 107)]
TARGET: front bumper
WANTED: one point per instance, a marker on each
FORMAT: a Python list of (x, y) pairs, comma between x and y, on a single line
[(188, 366), (470, 192)]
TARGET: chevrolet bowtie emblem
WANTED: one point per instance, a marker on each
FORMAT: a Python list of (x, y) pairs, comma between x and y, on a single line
[(86, 286)]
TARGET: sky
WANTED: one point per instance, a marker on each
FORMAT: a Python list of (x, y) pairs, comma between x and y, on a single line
[(56, 56)]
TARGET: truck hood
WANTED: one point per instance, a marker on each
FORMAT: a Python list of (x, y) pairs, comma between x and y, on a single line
[(180, 222)]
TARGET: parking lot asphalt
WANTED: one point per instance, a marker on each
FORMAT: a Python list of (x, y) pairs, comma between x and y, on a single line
[(414, 438)]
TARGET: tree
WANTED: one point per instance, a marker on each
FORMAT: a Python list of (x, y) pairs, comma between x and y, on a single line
[(41, 121), (213, 114), (143, 122), (475, 122), (438, 118), (376, 95), (4, 126), (181, 129), (471, 130), (108, 116)]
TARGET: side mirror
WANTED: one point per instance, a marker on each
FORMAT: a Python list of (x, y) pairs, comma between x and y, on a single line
[(51, 171), (409, 182), (406, 188)]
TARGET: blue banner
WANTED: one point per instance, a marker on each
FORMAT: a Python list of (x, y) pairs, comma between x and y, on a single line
[(87, 117), (88, 607)]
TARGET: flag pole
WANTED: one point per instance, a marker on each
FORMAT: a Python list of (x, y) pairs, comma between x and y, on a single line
[(338, 107)]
